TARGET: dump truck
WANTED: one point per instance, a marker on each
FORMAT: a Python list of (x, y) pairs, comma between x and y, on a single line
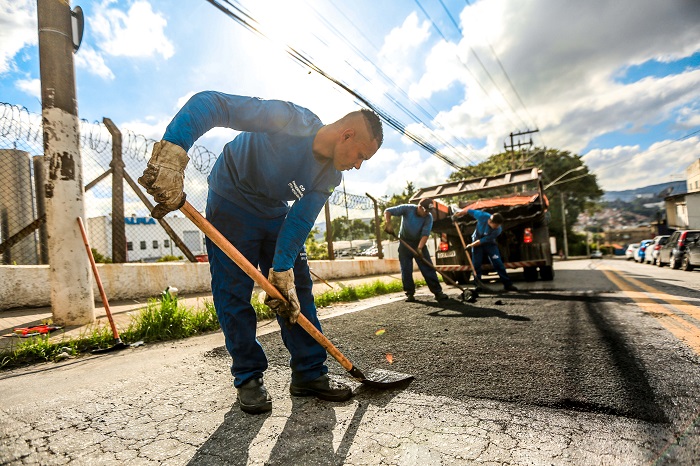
[(518, 196)]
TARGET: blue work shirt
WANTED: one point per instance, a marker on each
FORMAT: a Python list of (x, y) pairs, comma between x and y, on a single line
[(413, 227), (267, 165), (483, 231)]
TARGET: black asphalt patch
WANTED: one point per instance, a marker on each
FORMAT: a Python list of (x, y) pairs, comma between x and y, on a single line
[(529, 348)]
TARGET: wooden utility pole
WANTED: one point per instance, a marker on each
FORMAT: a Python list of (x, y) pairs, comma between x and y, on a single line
[(513, 161), (72, 298)]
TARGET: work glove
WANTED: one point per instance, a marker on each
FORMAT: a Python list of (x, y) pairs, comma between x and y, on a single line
[(388, 228), (454, 218), (164, 177), (284, 282)]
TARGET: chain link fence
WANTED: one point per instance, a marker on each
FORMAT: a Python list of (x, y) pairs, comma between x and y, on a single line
[(117, 210)]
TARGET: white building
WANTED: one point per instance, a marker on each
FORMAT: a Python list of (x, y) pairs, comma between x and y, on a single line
[(146, 240)]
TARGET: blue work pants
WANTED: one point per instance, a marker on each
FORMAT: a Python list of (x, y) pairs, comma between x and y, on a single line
[(406, 258), (494, 256), (232, 289)]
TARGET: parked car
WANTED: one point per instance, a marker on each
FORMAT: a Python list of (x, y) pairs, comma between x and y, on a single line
[(674, 251), (691, 258), (597, 255), (629, 252), (641, 251), (651, 254)]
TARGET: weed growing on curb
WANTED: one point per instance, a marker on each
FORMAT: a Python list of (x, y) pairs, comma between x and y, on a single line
[(164, 319)]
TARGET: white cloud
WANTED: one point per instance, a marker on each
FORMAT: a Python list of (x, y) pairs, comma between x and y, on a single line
[(138, 33), (18, 29), (398, 55), (627, 167), (93, 62), (563, 58), (29, 86)]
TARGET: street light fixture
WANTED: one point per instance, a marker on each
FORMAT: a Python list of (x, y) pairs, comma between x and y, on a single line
[(563, 208), (579, 168)]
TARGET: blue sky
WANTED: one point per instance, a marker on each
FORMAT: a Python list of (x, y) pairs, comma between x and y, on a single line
[(615, 82)]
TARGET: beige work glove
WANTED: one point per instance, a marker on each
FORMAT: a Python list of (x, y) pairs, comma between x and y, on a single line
[(388, 227), (284, 282), (164, 177)]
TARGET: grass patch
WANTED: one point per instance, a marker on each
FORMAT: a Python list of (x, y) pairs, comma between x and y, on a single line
[(165, 319)]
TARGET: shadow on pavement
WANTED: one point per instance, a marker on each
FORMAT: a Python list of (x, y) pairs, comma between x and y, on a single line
[(231, 441), (307, 436)]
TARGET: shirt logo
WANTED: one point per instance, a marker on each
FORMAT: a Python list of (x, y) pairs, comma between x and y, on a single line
[(298, 190)]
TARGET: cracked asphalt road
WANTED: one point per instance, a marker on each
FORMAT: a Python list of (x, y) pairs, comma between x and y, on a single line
[(561, 376)]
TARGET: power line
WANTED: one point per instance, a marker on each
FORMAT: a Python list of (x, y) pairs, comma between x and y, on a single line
[(510, 82), (390, 81), (302, 58)]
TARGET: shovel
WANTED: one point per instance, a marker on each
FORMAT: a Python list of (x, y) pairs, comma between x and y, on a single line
[(378, 378), (478, 281), (119, 344), (466, 294)]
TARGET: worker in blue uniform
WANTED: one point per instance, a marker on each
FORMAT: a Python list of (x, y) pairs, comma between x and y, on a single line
[(488, 227), (284, 154), (416, 224)]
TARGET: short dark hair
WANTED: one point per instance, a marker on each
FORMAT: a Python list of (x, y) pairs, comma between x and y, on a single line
[(497, 219), (426, 203), (375, 125)]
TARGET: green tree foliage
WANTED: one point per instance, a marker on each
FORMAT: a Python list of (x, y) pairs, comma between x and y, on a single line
[(314, 249), (346, 231), (99, 258)]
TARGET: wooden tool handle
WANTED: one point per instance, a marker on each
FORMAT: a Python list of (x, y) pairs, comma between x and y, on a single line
[(115, 333), (240, 260)]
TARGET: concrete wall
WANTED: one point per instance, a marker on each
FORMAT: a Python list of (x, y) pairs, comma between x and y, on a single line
[(28, 285)]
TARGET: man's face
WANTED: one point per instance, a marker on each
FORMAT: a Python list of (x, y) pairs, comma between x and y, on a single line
[(493, 224), (421, 211), (354, 148)]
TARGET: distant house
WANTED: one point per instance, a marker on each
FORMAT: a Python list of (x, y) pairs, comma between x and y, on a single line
[(693, 176), (683, 210)]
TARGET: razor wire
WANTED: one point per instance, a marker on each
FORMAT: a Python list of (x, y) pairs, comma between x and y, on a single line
[(23, 231)]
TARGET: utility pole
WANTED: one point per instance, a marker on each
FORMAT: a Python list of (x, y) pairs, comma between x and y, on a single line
[(563, 224), (72, 298), (513, 162)]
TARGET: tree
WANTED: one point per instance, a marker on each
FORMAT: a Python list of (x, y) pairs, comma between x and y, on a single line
[(314, 249)]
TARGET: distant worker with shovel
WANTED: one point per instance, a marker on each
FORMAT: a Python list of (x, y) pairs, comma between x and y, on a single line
[(488, 227), (416, 223), (284, 153)]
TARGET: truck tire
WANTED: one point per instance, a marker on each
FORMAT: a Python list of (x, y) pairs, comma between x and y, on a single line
[(530, 274), (547, 273)]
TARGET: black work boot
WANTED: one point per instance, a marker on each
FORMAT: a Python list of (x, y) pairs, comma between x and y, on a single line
[(410, 298), (510, 287), (323, 388), (441, 297), (253, 397)]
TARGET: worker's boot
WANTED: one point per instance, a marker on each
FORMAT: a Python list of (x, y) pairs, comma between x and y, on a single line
[(253, 397), (323, 388), (441, 297), (510, 287), (410, 298)]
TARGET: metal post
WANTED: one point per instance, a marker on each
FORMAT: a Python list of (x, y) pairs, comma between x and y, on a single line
[(117, 166), (329, 233), (377, 227), (563, 223), (72, 298), (39, 181)]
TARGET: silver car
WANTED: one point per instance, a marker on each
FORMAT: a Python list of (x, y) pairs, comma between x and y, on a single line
[(651, 255), (629, 252)]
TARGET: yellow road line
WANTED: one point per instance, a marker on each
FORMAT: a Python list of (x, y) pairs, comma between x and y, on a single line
[(679, 327)]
